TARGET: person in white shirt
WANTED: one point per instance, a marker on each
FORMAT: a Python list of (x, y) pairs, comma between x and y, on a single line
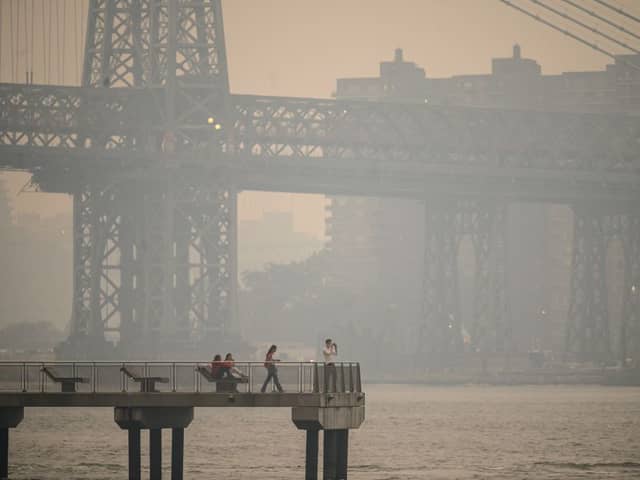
[(329, 352)]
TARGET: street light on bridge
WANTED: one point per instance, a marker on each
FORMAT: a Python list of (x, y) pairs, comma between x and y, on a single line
[(216, 125)]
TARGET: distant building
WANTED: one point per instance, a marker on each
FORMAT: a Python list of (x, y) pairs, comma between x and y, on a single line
[(272, 239), (514, 82), (377, 243)]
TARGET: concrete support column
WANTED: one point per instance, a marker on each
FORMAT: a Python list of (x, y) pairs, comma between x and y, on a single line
[(134, 453), (311, 460), (4, 453), (335, 423), (177, 453), (342, 454), (329, 456), (10, 417), (155, 453), (155, 419)]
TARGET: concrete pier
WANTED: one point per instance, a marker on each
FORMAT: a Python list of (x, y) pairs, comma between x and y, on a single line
[(179, 389), (10, 417), (177, 453), (342, 453), (154, 419), (329, 456), (134, 454), (335, 423), (311, 460)]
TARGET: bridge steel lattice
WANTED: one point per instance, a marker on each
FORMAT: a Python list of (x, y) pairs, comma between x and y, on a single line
[(154, 148)]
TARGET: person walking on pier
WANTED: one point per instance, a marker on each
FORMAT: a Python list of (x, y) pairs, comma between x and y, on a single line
[(272, 370)]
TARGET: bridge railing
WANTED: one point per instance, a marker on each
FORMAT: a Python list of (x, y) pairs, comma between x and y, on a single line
[(185, 377)]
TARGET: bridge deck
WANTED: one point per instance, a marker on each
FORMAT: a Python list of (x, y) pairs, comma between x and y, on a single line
[(327, 146)]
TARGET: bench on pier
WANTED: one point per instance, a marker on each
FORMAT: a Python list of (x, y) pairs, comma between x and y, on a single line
[(68, 384), (147, 383), (226, 385)]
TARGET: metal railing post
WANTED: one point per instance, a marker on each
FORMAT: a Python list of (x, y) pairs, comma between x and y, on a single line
[(351, 373), (316, 381)]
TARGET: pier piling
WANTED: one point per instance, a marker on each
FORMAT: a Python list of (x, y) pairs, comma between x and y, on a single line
[(10, 417), (342, 453), (329, 456), (177, 453), (311, 460), (155, 419), (155, 453), (134, 454), (4, 453)]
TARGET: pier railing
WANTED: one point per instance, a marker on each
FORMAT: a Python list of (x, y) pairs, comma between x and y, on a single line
[(187, 377)]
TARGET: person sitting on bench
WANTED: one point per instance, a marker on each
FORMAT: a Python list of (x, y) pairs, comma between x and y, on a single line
[(229, 366), (218, 370)]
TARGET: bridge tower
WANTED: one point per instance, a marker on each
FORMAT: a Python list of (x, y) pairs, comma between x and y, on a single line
[(447, 221), (155, 248), (590, 334)]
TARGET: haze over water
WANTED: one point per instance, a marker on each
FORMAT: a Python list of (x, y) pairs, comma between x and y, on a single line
[(410, 432)]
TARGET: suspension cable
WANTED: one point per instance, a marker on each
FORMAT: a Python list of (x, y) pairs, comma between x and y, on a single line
[(26, 43), (64, 40), (50, 55), (33, 36), (19, 40), (45, 75), (76, 40), (1, 7), (12, 47), (58, 52), (584, 25), (619, 11), (569, 34), (601, 18)]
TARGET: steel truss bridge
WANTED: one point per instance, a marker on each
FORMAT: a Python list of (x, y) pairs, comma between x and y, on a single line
[(154, 148)]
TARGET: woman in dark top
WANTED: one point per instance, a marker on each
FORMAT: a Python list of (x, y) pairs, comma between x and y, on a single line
[(272, 370)]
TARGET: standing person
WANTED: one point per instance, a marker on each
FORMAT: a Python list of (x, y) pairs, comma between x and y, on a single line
[(329, 352), (270, 365)]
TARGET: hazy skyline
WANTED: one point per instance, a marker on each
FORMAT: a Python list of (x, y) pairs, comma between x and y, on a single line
[(300, 48)]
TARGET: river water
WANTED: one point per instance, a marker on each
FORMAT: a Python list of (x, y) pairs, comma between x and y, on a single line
[(410, 432)]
